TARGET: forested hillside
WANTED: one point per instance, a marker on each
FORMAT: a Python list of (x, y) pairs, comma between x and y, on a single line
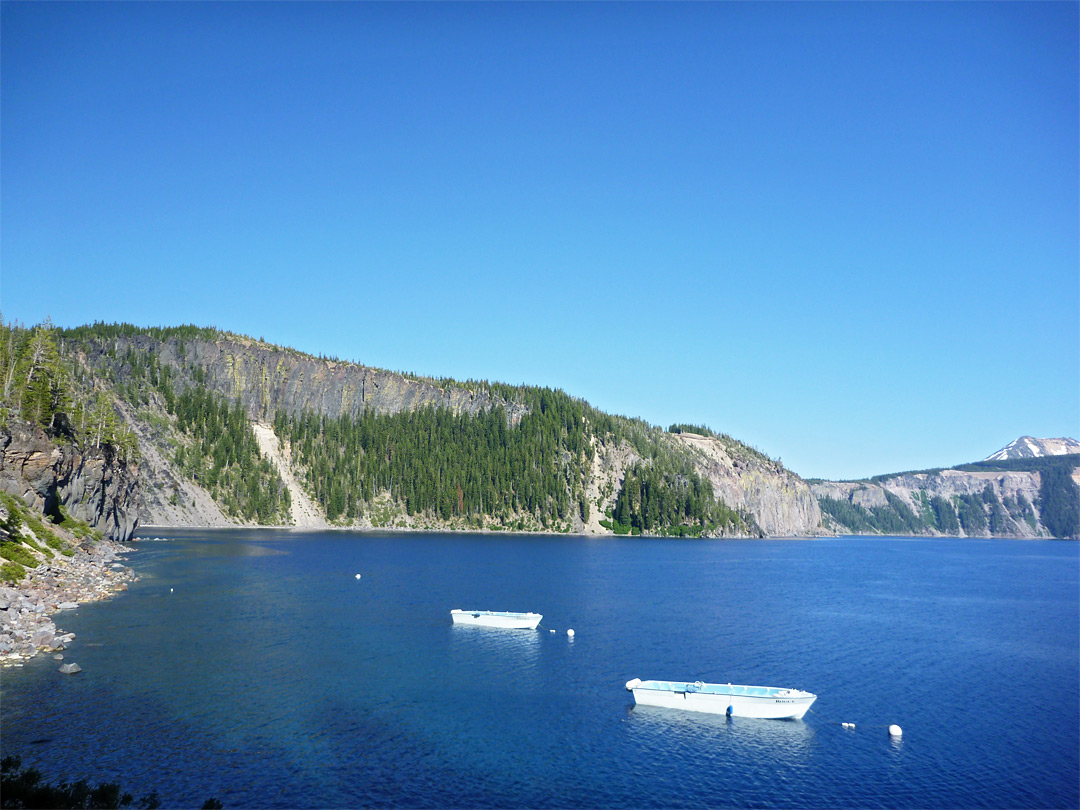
[(1022, 497), (64, 449), (44, 386), (486, 472), (378, 448), (209, 440)]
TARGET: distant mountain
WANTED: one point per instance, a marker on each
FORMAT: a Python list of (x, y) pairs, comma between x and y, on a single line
[(1027, 447)]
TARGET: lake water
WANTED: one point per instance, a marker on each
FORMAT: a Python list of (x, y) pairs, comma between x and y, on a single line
[(254, 667)]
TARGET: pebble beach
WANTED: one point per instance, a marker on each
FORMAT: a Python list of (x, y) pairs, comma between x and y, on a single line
[(28, 609)]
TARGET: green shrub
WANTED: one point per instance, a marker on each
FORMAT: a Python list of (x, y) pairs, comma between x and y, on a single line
[(28, 541), (17, 554), (11, 572), (77, 527), (25, 788)]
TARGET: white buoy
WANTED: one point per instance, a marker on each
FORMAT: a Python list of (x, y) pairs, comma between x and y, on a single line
[(358, 576), (570, 633), (895, 731), (170, 590)]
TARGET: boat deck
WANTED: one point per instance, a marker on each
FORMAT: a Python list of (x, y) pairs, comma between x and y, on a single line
[(722, 689)]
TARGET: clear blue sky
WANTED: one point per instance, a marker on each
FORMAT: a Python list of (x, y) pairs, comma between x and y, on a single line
[(848, 234)]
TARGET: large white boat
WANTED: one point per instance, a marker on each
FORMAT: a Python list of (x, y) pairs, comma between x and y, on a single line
[(497, 618), (723, 698)]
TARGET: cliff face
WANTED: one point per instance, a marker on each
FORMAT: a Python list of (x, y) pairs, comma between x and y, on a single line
[(266, 379), (92, 486), (947, 484), (168, 498), (779, 500)]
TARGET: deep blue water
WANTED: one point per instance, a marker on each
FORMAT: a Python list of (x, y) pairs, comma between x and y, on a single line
[(270, 677)]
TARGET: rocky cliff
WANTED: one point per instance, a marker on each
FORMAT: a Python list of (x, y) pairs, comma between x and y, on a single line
[(268, 380), (779, 500), (92, 486), (916, 491)]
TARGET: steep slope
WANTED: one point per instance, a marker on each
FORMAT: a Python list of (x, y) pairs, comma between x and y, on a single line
[(780, 502), (266, 380), (168, 497), (63, 450), (93, 486), (154, 369), (1023, 497), (304, 514)]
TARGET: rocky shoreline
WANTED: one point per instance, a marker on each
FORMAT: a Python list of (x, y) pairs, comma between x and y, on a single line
[(94, 572)]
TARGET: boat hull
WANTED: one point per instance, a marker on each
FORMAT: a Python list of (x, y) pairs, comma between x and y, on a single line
[(493, 618), (737, 701)]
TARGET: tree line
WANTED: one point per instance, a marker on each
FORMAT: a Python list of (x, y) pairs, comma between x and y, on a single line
[(44, 386), (446, 465), (223, 456), (524, 471), (669, 497)]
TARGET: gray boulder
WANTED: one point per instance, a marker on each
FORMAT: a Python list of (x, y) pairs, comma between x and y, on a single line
[(42, 639), (68, 606), (70, 669)]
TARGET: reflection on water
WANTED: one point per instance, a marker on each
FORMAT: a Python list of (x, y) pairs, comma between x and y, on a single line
[(786, 738), (503, 649)]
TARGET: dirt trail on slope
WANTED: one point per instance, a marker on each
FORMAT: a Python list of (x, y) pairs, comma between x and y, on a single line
[(305, 513)]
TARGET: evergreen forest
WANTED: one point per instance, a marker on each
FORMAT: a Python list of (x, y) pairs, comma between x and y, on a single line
[(668, 497), (43, 385), (448, 466), (482, 470), (223, 456)]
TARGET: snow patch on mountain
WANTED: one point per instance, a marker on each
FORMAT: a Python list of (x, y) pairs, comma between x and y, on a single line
[(1028, 447)]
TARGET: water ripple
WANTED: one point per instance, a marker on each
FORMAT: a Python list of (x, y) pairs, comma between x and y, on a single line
[(271, 677)]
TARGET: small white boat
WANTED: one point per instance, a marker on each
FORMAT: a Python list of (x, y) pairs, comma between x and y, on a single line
[(497, 618), (770, 702)]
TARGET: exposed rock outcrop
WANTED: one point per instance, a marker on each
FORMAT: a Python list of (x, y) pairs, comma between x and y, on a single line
[(268, 379), (909, 488), (93, 485), (779, 500), (168, 499)]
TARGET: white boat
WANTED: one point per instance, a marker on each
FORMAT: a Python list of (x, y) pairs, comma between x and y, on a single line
[(723, 698), (497, 618)]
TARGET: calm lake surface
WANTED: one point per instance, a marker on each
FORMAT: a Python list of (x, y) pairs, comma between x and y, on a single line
[(254, 667)]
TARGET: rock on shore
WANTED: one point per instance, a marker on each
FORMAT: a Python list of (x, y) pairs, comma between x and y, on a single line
[(61, 584)]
